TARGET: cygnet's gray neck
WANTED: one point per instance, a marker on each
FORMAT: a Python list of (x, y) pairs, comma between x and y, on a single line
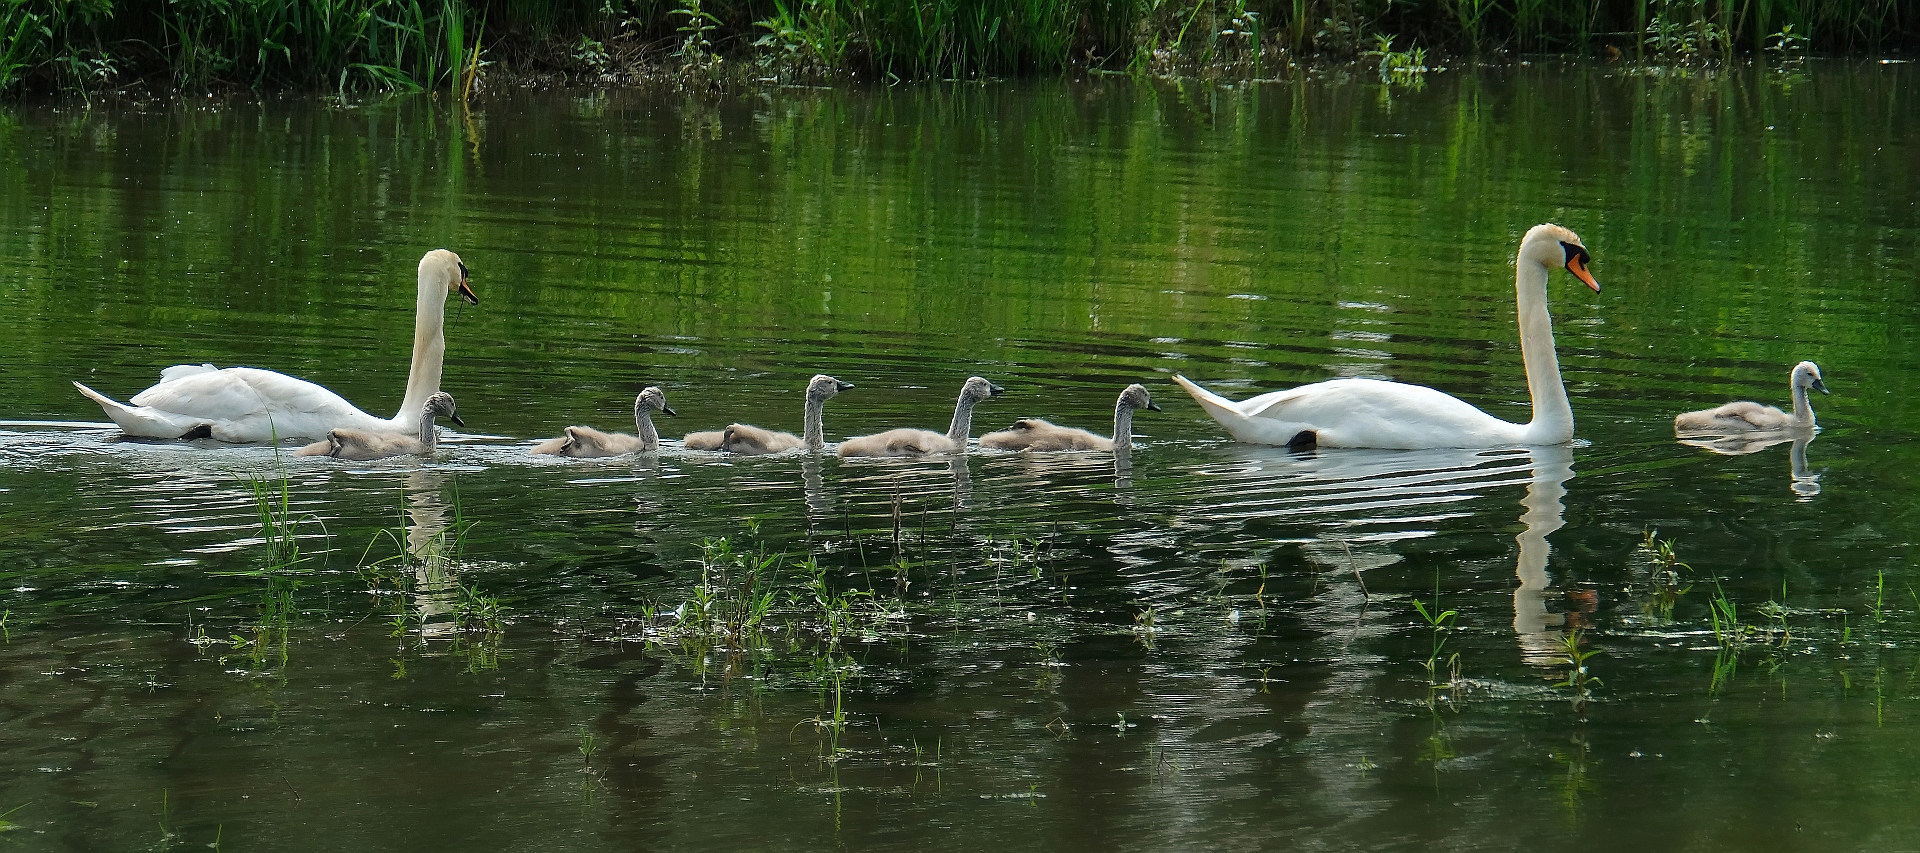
[(962, 427), (814, 433), (644, 429), (429, 437), (1122, 425), (1802, 408)]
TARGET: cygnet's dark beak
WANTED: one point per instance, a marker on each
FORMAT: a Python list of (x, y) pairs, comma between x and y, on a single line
[(995, 390), (455, 417), (1152, 406), (842, 385), (1819, 386), (668, 410)]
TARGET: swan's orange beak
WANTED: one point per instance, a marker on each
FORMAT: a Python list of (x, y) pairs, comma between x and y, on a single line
[(466, 290), (1578, 266)]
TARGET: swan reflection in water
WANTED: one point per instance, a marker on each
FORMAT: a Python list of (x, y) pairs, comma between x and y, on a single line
[(1380, 497), (1542, 513), (1801, 480)]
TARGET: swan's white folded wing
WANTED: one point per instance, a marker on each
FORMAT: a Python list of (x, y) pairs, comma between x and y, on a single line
[(213, 394), (248, 404), (238, 391), (182, 371), (1375, 413)]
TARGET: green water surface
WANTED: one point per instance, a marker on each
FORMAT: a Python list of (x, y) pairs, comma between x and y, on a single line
[(1208, 646)]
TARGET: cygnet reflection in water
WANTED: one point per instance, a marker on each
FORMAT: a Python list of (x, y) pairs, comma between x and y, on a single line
[(428, 550), (1800, 479)]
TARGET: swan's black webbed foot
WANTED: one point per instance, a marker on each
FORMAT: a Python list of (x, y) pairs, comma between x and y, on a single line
[(1305, 439), (198, 432)]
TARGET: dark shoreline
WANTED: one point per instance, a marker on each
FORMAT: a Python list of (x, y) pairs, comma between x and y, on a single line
[(148, 51)]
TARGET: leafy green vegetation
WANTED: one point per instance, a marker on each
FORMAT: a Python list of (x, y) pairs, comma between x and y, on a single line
[(448, 44)]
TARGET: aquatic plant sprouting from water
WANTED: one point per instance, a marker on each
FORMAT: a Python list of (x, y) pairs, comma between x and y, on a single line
[(1665, 581), (1727, 631), (1050, 665), (479, 622), (1406, 67), (1580, 679), (1686, 31), (697, 26), (1440, 625), (263, 640), (1787, 49), (729, 607), (7, 825), (279, 523)]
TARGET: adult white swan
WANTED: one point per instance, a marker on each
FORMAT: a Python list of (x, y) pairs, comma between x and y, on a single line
[(1394, 415), (246, 404)]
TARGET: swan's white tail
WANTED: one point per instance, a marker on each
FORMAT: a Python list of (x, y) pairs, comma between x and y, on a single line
[(1221, 408), (138, 421)]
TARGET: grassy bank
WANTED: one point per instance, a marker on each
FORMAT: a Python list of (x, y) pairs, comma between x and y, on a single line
[(452, 44)]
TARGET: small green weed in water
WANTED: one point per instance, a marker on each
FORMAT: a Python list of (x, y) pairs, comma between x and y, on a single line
[(1726, 617), (476, 611), (586, 745), (1050, 665), (479, 623), (279, 524), (1399, 66), (1440, 625), (7, 825), (1580, 679), (166, 831), (1145, 625)]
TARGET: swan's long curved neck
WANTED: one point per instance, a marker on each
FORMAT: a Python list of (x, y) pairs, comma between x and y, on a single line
[(1122, 426), (429, 348), (815, 433), (962, 427), (1552, 413), (644, 429), (1802, 410)]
